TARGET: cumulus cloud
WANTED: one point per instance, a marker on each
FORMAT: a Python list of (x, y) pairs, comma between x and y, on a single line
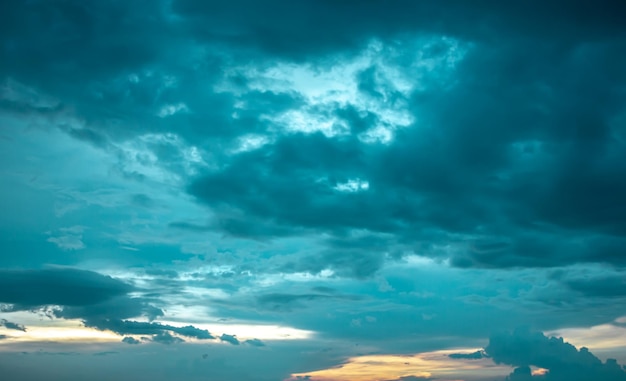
[(523, 348)]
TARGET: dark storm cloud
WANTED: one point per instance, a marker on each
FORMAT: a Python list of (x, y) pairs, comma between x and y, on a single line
[(122, 307), (58, 286), (517, 160), (277, 183), (563, 361), (307, 28)]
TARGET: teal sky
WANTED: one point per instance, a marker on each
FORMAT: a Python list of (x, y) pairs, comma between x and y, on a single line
[(312, 190)]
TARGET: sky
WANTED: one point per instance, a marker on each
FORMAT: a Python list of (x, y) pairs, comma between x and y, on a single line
[(320, 190)]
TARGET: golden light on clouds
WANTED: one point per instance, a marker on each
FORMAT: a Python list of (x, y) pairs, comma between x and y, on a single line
[(40, 328), (390, 367), (539, 371)]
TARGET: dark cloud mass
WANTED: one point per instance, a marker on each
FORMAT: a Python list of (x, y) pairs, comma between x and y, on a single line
[(521, 152), (130, 340), (563, 361)]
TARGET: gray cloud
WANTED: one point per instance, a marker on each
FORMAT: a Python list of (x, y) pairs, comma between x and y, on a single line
[(287, 302), (516, 155)]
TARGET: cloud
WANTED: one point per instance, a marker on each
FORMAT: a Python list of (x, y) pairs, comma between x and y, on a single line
[(69, 238), (563, 361), (14, 326), (130, 340), (600, 285), (166, 338), (229, 339), (255, 342), (468, 356), (513, 155), (58, 286), (254, 25), (465, 162), (99, 301), (272, 163), (287, 302), (121, 307), (129, 327)]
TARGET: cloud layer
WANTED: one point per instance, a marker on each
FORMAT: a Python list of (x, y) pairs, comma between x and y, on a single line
[(310, 183)]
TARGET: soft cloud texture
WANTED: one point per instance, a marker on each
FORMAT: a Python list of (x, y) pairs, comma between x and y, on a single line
[(562, 360)]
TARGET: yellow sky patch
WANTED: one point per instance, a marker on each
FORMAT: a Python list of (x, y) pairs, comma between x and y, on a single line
[(390, 367)]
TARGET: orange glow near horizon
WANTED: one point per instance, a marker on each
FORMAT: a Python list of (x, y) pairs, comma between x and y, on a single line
[(390, 367)]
